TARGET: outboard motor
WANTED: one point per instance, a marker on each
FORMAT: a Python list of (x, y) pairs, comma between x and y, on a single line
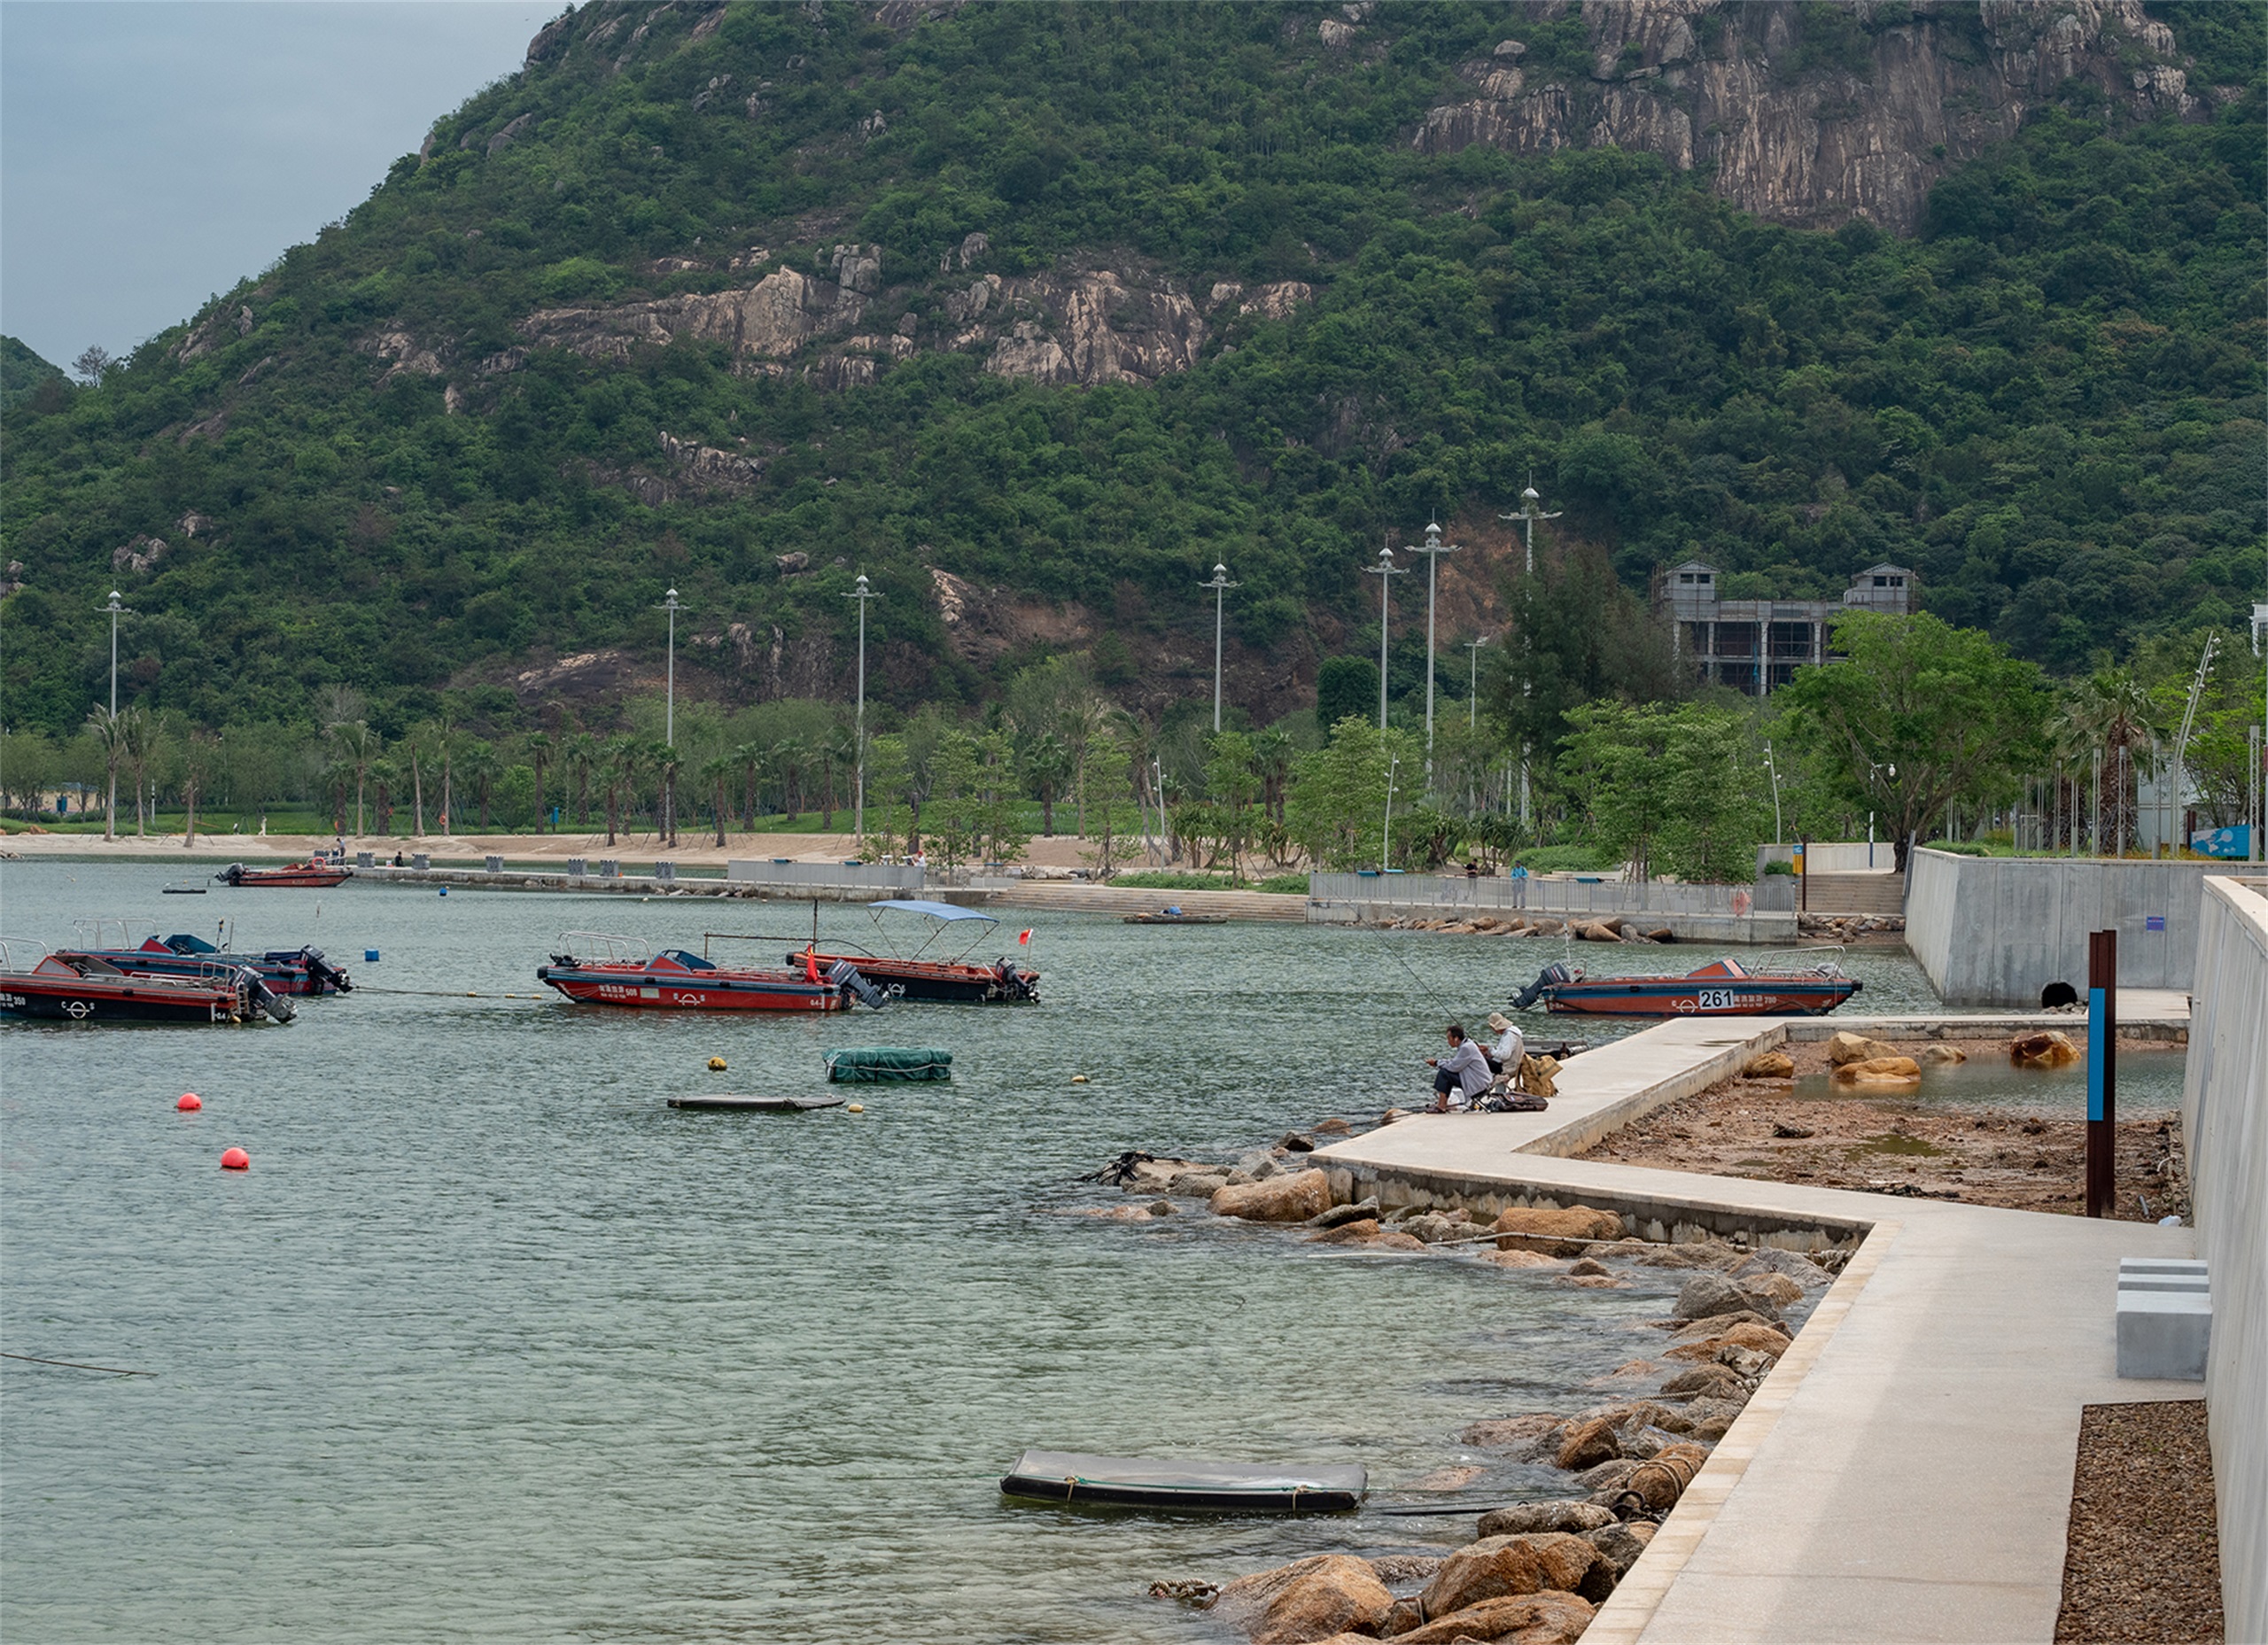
[(843, 974), (233, 874), (321, 973), (266, 999), (1552, 975)]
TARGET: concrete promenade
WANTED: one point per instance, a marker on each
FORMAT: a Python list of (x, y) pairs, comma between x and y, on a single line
[(1905, 1473)]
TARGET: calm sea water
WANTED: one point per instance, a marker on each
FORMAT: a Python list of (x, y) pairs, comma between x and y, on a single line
[(490, 1342)]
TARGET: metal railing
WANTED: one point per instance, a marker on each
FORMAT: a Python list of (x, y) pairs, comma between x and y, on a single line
[(862, 876), (1495, 894)]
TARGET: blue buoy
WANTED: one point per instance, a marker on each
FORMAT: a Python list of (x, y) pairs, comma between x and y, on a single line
[(445, 890), (369, 956)]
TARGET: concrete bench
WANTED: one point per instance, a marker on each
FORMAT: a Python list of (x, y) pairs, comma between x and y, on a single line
[(2165, 1318)]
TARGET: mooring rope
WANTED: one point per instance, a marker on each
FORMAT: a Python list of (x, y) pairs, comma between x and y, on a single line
[(115, 1371)]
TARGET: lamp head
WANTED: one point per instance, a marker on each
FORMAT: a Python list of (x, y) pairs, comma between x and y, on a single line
[(1531, 497), (1221, 572), (114, 599), (1433, 536), (862, 582), (671, 595)]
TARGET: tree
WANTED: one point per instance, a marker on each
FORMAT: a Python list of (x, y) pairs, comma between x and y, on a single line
[(358, 745), (582, 759), (95, 362), (717, 772), (1346, 688), (1669, 787), (665, 761), (1047, 765), (481, 769), (539, 751), (1102, 777), (954, 787), (1337, 808), (199, 757), (384, 774), (1919, 714), (1232, 781), (789, 756), (138, 739), (752, 759), (624, 761), (109, 732), (886, 778), (2119, 720)]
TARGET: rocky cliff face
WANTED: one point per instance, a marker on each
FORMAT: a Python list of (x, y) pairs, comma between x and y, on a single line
[(1729, 84)]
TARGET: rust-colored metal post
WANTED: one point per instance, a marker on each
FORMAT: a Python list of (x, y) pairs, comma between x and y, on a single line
[(2102, 1071)]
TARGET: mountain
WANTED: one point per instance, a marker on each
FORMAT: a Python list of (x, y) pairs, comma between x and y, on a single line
[(1035, 313), (23, 372)]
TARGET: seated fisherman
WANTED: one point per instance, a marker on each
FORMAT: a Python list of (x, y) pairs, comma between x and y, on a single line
[(1459, 1077), (1504, 1056)]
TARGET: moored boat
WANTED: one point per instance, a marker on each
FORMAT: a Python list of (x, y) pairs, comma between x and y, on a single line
[(314, 875), (1725, 989), (74, 987), (301, 970), (921, 976), (1157, 1482), (595, 968), (1172, 916)]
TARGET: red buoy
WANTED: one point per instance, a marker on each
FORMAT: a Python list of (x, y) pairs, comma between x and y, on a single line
[(236, 1159), (189, 1103)]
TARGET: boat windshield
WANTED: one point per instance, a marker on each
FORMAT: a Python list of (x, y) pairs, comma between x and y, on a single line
[(688, 961)]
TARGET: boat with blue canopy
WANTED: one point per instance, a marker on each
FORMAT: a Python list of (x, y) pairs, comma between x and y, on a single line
[(945, 975)]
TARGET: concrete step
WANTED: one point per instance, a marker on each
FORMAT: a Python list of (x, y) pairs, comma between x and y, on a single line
[(1854, 894)]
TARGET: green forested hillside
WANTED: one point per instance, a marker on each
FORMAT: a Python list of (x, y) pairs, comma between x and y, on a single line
[(365, 466)]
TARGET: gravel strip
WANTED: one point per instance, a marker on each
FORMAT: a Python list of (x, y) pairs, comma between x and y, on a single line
[(2143, 1564)]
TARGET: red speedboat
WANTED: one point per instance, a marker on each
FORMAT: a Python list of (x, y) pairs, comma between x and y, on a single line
[(75, 986), (947, 978), (622, 972), (1723, 990), (314, 875)]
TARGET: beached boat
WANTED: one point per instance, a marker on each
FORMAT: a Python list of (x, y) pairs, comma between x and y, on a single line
[(314, 875), (74, 987), (1151, 1482), (726, 1103), (1173, 917), (946, 978), (594, 968), (1726, 988), (286, 970)]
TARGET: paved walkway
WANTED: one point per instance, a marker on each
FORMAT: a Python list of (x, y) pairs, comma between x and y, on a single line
[(1905, 1474)]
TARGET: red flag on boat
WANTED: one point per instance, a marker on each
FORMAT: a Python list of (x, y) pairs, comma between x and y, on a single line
[(1024, 938), (810, 966)]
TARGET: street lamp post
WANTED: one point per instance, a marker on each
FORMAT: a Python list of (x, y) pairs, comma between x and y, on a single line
[(669, 718), (1527, 517), (862, 595), (1772, 765), (1472, 683), (1386, 571), (1433, 548), (1220, 585), (116, 611)]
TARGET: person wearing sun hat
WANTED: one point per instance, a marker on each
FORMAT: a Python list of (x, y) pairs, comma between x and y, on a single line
[(1504, 1056)]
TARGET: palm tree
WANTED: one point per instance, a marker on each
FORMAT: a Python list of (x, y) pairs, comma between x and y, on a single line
[(139, 738), (838, 751), (384, 775), (582, 759), (788, 757), (1047, 762), (619, 770), (751, 758), (2119, 712), (358, 745), (445, 746), (481, 770), (1272, 754), (199, 755), (539, 746), (109, 733), (416, 745), (717, 772)]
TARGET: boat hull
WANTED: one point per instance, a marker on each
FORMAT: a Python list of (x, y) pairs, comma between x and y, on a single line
[(937, 983), (284, 878), (92, 1000), (282, 976), (1698, 996), (666, 991)]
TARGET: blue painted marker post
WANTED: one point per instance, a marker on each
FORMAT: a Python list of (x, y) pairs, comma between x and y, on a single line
[(2102, 1071)]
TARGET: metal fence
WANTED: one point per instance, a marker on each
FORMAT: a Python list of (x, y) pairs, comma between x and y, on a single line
[(860, 876), (1560, 898)]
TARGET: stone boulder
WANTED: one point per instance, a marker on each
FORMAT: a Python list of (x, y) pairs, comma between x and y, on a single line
[(1776, 1290), (1498, 1567), (1293, 1198), (1708, 1377), (1942, 1053), (1712, 1325), (1573, 1516), (1338, 1216), (1524, 1436), (1606, 1479), (1879, 1072), (1773, 1065), (1587, 1443), (1308, 1600), (1707, 1295), (1619, 1545), (1545, 1618), (2050, 1050), (1749, 1334), (1555, 1233), (1711, 1418), (1367, 1236), (1771, 1259), (1848, 1047), (1198, 1184)]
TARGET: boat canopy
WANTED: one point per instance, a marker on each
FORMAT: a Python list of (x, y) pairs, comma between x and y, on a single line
[(935, 911)]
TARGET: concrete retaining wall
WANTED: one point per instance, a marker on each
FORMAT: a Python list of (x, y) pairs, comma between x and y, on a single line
[(2225, 1121), (1995, 930)]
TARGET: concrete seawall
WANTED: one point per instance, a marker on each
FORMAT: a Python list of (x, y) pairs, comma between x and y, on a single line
[(1996, 930), (2224, 1117)]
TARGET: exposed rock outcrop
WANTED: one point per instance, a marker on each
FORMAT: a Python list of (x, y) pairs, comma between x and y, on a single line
[(139, 555), (1701, 82), (767, 320), (711, 466)]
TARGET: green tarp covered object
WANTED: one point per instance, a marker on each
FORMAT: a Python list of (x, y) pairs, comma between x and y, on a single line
[(873, 1064)]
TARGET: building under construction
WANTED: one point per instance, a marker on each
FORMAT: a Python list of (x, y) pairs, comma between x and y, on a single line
[(1756, 646)]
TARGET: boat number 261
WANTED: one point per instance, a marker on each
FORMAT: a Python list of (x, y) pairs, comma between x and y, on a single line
[(1713, 999)]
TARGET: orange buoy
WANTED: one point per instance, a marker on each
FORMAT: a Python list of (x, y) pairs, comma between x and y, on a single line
[(236, 1159), (189, 1103)]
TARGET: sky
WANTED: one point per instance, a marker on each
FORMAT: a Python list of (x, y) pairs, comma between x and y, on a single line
[(153, 152)]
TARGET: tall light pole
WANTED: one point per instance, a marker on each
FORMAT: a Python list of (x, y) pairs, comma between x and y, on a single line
[(1433, 548), (1220, 585), (1527, 517), (862, 595), (669, 716), (1386, 571), (1472, 684), (1386, 834), (1772, 765), (116, 611)]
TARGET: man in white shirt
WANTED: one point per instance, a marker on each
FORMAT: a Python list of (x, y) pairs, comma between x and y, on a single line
[(1510, 1045)]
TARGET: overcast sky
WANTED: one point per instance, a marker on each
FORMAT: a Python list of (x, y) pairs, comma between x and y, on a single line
[(154, 151)]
